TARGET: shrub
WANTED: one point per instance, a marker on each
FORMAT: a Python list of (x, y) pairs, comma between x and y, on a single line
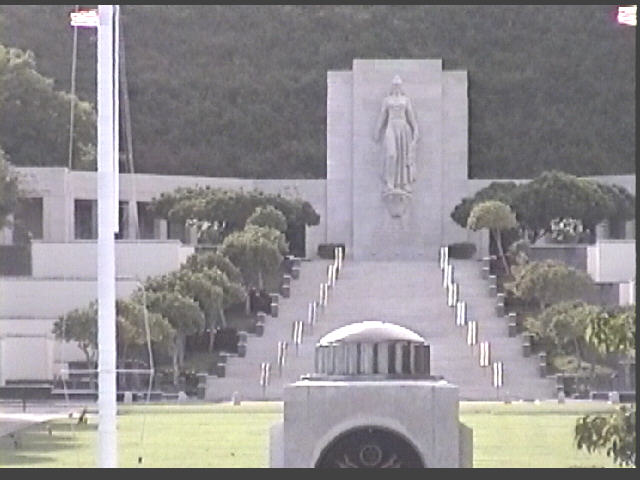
[(519, 252), (549, 282)]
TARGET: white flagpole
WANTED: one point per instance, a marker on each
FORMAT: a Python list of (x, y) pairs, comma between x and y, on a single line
[(107, 441), (116, 114)]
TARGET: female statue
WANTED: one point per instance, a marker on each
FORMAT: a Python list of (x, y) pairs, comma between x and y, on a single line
[(400, 136)]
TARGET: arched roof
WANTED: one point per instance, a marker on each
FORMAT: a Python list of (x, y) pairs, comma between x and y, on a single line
[(370, 331)]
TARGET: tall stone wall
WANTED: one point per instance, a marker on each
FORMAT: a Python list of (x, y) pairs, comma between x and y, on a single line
[(356, 209), (60, 187)]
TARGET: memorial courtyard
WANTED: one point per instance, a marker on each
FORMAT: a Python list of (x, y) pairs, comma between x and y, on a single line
[(514, 435), (317, 237)]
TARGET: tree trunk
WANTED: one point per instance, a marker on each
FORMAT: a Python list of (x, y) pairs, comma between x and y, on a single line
[(578, 354), (121, 380), (247, 305), (223, 320), (211, 335), (181, 339), (176, 368), (260, 281), (90, 362), (498, 237)]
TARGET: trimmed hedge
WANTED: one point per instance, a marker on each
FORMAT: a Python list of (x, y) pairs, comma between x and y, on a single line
[(327, 250), (464, 250)]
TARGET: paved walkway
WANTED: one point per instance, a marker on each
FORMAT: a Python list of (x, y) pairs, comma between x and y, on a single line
[(15, 422), (406, 293)]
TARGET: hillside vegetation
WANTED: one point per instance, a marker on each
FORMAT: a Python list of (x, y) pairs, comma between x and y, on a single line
[(241, 90)]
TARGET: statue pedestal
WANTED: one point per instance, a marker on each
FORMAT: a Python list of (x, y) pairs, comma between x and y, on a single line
[(397, 202), (371, 403), (326, 420)]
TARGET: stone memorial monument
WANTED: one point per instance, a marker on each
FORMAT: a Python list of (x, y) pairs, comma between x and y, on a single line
[(372, 403), (397, 148), (398, 122)]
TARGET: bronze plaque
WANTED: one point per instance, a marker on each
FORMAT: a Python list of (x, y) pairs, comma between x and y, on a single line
[(369, 447)]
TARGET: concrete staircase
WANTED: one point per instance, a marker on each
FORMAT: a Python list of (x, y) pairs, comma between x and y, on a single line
[(407, 293)]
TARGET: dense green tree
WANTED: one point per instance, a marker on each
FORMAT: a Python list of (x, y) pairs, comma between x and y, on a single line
[(192, 285), (34, 117), (613, 331), (227, 211), (8, 190), (271, 235), (256, 251), (549, 282), (80, 326), (135, 327), (183, 314), (200, 261), (209, 288), (498, 191), (623, 203), (553, 195), (614, 434), (559, 195), (496, 217), (240, 90), (232, 294), (268, 217), (561, 329)]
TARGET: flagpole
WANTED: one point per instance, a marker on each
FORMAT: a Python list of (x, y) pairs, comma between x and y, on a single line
[(107, 441)]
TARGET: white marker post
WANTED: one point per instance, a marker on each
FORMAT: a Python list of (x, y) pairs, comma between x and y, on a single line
[(452, 295), (461, 313), (485, 354), (265, 374), (498, 377), (314, 310), (472, 334), (297, 329), (324, 294), (282, 356), (311, 316), (448, 276), (444, 257)]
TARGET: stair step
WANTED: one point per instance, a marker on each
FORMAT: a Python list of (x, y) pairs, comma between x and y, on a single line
[(407, 293)]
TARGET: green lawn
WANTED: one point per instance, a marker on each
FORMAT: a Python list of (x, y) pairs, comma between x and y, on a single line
[(221, 435)]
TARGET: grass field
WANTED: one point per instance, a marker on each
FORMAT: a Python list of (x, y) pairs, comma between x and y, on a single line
[(221, 435)]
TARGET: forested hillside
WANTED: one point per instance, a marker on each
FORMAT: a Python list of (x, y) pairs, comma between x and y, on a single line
[(241, 90)]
